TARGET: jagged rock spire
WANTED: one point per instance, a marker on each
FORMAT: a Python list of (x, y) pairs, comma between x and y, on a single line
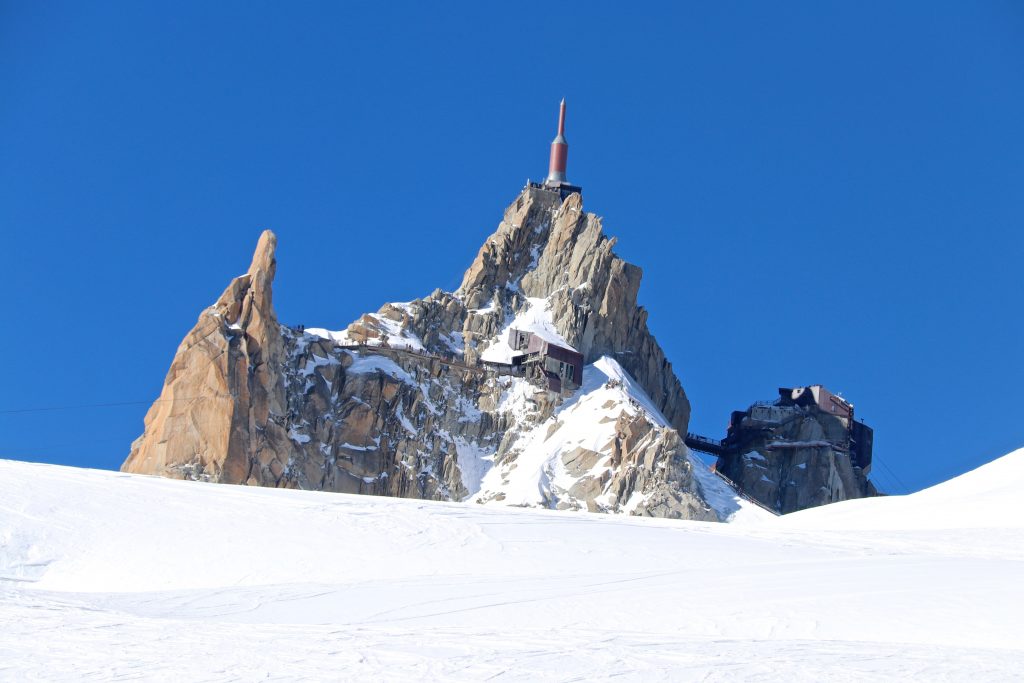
[(213, 417)]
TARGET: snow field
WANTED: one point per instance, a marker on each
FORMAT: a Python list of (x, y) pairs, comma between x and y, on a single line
[(105, 575)]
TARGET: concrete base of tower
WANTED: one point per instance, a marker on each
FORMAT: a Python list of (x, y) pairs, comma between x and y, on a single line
[(562, 188)]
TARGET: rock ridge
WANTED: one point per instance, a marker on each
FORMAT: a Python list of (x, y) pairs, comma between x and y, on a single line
[(402, 402)]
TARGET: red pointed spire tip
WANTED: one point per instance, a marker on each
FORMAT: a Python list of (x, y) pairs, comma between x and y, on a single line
[(559, 150)]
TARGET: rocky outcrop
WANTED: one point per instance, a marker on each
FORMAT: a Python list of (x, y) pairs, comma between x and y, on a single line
[(550, 250), (653, 463), (798, 462), (249, 401), (401, 404), (601, 449), (558, 252), (214, 415)]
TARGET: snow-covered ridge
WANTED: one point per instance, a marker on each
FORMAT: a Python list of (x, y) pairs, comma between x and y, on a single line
[(585, 423), (392, 332), (586, 419), (562, 456)]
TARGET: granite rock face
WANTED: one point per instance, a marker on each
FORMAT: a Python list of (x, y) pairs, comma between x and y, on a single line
[(248, 401), (402, 402), (560, 254), (215, 414), (798, 464)]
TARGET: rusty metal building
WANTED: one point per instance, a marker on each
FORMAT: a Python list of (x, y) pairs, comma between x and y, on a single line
[(562, 366)]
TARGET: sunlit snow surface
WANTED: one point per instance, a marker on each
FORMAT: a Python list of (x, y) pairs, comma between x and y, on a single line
[(108, 576)]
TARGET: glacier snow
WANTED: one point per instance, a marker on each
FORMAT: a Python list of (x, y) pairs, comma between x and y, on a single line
[(106, 575)]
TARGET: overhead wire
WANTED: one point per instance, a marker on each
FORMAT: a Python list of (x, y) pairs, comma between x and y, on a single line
[(11, 411), (906, 489), (105, 405)]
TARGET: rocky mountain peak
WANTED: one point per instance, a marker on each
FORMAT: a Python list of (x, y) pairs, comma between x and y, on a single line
[(249, 298), (264, 258), (512, 251), (425, 399), (214, 411), (552, 250)]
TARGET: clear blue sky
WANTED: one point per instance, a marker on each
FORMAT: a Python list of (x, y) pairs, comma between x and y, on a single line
[(817, 192)]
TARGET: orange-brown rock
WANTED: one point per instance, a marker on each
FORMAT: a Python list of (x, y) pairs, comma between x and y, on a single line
[(213, 417)]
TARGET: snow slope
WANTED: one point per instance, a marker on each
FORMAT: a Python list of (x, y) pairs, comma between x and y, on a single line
[(987, 497), (105, 575), (538, 476)]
